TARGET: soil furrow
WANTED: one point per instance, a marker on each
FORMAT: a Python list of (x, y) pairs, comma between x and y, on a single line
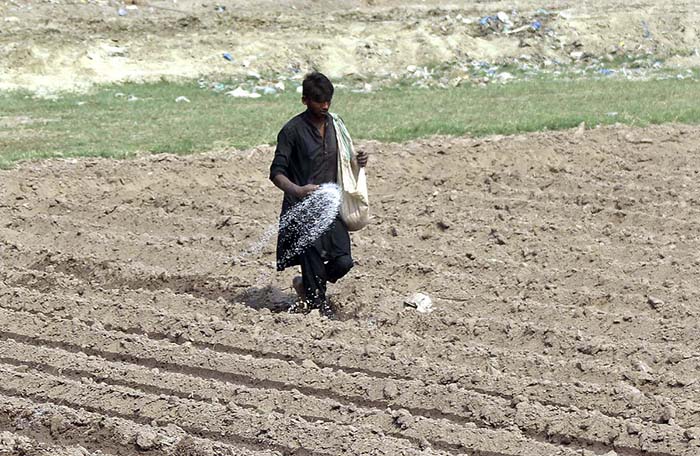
[(455, 404), (308, 378), (600, 315), (582, 307), (441, 434), (491, 331), (198, 249), (562, 266), (51, 423), (102, 273), (16, 444), (231, 424), (221, 336), (129, 270), (90, 266)]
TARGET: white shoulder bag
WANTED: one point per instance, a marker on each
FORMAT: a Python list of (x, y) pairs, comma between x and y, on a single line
[(354, 208)]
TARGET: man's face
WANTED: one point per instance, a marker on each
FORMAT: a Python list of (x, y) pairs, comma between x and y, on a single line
[(317, 108)]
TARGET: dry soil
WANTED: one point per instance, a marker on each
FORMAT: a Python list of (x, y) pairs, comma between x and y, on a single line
[(563, 269)]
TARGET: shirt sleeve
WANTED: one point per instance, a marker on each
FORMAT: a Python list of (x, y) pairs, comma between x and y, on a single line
[(283, 153)]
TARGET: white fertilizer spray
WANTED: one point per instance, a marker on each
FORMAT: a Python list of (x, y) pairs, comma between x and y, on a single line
[(305, 221)]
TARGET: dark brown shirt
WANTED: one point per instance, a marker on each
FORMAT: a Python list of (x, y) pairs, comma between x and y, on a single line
[(303, 156)]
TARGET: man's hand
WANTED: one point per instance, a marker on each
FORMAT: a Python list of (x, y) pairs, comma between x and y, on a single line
[(362, 157), (283, 183), (301, 192)]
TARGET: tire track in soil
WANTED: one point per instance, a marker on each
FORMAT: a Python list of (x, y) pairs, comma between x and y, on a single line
[(535, 420)]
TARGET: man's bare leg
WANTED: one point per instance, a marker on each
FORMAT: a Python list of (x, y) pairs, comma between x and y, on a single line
[(298, 285)]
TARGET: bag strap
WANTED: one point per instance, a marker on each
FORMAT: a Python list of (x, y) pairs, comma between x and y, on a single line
[(343, 137)]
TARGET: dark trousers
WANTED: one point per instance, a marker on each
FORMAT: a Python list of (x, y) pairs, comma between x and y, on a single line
[(316, 272)]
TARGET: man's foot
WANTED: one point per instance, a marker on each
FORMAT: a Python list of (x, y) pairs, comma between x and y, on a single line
[(298, 285), (327, 311)]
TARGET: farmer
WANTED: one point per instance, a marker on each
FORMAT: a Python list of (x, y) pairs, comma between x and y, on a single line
[(306, 157)]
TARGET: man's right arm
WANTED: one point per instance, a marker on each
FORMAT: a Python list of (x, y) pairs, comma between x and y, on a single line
[(283, 183)]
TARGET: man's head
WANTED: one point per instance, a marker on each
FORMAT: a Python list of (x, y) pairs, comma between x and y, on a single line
[(317, 93)]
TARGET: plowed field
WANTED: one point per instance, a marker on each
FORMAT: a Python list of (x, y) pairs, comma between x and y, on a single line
[(563, 268)]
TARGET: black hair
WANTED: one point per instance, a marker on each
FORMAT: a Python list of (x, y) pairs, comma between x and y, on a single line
[(317, 87)]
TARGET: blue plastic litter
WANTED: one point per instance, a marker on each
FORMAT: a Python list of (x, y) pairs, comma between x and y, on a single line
[(536, 25), (606, 71), (228, 56)]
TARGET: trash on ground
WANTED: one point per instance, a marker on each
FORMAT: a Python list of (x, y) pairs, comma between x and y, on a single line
[(503, 17), (240, 92), (421, 302), (366, 88), (505, 76)]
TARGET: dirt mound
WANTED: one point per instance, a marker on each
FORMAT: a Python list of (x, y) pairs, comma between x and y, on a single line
[(562, 267), (65, 44)]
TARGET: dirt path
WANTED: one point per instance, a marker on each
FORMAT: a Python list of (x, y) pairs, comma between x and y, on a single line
[(562, 267)]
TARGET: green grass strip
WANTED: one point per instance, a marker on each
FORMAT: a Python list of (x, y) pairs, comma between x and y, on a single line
[(105, 125)]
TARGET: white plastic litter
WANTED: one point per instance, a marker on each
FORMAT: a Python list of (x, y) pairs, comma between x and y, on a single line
[(503, 17), (242, 93), (421, 302)]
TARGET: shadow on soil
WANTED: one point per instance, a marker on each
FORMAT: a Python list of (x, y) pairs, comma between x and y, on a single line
[(278, 300), (267, 297)]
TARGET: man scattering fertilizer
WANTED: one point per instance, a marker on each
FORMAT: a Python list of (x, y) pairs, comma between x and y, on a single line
[(306, 157)]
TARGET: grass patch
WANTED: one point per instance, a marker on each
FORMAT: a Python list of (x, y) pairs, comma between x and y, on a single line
[(120, 121)]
